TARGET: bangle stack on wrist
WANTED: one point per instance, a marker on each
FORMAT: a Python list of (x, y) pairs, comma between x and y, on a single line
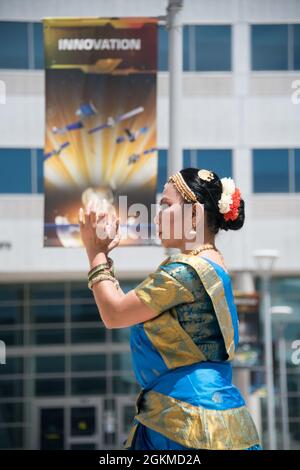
[(102, 272)]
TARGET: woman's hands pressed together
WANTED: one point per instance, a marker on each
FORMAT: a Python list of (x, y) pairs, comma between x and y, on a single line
[(100, 232)]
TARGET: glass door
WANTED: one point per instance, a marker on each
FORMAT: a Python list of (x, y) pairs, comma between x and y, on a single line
[(126, 413), (68, 424), (52, 429), (84, 427)]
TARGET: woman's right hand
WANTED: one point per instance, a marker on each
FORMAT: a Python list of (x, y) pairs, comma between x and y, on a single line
[(100, 233)]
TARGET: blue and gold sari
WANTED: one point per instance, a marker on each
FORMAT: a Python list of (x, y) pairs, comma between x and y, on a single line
[(182, 361)]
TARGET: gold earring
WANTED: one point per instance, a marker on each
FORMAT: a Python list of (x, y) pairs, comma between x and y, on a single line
[(193, 231)]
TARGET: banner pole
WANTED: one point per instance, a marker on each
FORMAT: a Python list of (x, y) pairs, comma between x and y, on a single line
[(174, 27)]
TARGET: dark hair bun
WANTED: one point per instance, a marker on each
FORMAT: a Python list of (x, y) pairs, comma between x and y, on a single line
[(209, 193)]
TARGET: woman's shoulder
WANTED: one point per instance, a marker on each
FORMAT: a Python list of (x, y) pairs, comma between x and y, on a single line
[(203, 266), (195, 271), (182, 263), (183, 271)]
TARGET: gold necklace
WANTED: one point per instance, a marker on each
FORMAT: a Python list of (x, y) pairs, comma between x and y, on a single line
[(208, 246)]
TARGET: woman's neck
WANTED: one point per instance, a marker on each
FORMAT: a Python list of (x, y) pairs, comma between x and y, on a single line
[(188, 245)]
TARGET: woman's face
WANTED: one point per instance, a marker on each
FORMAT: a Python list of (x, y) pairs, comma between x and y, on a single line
[(175, 217)]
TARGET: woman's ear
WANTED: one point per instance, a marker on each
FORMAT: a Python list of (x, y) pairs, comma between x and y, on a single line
[(198, 214)]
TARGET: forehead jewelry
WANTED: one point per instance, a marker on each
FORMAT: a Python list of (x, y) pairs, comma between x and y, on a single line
[(182, 187)]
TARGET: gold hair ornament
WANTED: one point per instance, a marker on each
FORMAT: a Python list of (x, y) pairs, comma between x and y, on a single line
[(182, 187)]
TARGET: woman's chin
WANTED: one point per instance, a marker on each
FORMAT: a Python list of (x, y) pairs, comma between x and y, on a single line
[(166, 243)]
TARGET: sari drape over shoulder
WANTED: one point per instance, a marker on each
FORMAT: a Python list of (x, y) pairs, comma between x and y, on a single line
[(182, 358)]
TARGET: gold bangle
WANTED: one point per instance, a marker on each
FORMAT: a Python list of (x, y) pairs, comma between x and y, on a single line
[(101, 277), (91, 285), (101, 270), (108, 264)]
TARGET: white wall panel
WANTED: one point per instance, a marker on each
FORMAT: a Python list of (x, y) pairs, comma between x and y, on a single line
[(272, 122), (34, 10), (267, 11), (206, 11)]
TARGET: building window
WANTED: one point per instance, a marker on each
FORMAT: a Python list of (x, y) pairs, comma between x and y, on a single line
[(14, 365), (88, 362), (88, 386), (56, 371), (297, 170), (163, 46), (276, 170), (11, 437), (47, 313), (125, 384), (12, 337), (122, 361), (15, 175), (49, 387), (38, 45), (217, 160), (207, 48), (275, 47), (162, 170), (39, 155), (30, 177), (11, 388), (45, 291), (11, 412), (24, 47), (11, 314), (11, 292), (49, 364), (84, 312), (47, 336), (271, 171), (14, 52)]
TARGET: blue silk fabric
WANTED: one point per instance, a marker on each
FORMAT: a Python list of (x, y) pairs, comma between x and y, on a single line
[(182, 360)]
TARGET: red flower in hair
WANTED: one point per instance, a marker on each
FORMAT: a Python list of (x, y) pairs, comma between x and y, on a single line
[(234, 206)]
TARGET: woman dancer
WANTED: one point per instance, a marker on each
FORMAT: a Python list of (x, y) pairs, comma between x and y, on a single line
[(183, 319)]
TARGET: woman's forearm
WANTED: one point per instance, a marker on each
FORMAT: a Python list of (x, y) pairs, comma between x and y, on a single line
[(106, 294), (107, 298)]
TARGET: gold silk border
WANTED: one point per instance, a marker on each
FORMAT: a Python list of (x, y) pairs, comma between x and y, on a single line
[(196, 427), (215, 289), (160, 291), (165, 332), (172, 342)]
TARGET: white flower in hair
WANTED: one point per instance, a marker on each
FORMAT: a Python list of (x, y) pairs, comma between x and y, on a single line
[(224, 203), (228, 186), (228, 189)]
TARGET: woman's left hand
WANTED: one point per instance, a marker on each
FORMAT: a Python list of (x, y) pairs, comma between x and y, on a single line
[(100, 233)]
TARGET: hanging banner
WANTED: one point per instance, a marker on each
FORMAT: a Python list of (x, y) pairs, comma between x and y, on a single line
[(100, 142)]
